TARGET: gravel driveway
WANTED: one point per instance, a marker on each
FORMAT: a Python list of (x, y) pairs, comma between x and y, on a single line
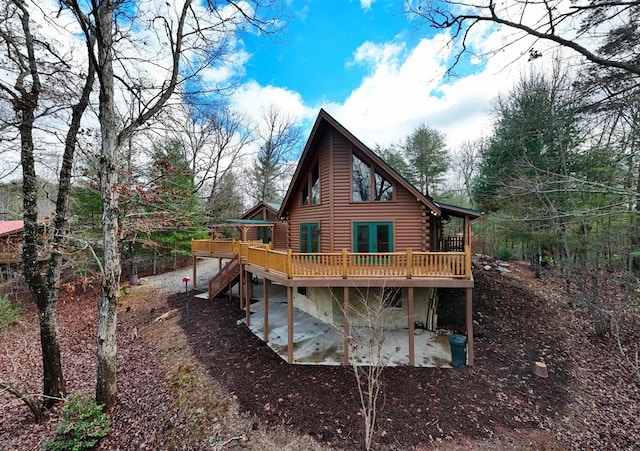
[(171, 282)]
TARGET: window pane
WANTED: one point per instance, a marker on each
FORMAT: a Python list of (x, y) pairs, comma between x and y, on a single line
[(315, 238), (315, 187), (392, 297), (361, 180), (362, 238), (305, 196), (383, 237), (384, 188)]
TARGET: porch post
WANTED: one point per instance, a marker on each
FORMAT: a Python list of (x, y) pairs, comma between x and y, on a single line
[(249, 286), (241, 287), (412, 337), (265, 286), (247, 299), (289, 324), (469, 321), (467, 246), (345, 312), (226, 276)]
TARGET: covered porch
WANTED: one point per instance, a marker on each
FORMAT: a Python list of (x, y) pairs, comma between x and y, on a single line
[(316, 342), (275, 316)]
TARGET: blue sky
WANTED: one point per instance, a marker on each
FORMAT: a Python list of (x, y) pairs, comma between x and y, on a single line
[(376, 71), (364, 61), (315, 54)]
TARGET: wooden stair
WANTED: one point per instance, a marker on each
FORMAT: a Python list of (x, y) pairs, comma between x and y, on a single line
[(225, 279)]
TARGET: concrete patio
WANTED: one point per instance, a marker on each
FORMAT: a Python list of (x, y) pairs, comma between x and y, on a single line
[(320, 343)]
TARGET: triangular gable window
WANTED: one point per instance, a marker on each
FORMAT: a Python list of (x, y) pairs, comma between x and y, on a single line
[(367, 183), (310, 194)]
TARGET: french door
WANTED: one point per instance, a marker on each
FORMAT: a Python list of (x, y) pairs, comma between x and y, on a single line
[(310, 237), (373, 237)]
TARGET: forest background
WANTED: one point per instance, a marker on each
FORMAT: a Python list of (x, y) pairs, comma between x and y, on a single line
[(130, 156)]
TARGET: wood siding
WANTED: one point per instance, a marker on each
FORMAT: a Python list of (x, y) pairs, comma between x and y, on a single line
[(303, 214), (264, 213), (337, 212)]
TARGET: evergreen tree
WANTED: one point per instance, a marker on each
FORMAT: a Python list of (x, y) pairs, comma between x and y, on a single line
[(425, 150), (534, 134)]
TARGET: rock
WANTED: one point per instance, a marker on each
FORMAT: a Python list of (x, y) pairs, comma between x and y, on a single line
[(487, 267), (540, 369)]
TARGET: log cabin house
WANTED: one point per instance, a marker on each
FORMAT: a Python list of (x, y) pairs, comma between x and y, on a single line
[(349, 223), (11, 241)]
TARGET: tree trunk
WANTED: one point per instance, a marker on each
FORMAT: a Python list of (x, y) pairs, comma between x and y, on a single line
[(25, 106), (53, 380), (106, 387)]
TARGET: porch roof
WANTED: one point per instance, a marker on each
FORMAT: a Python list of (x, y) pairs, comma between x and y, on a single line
[(248, 222), (454, 210)]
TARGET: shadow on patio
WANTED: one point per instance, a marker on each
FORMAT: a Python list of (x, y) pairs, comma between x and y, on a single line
[(317, 342)]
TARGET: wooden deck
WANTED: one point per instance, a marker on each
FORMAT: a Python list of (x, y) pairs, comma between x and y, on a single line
[(340, 265)]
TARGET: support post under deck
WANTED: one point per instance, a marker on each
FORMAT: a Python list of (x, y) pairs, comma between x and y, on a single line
[(469, 321), (289, 324), (412, 337), (265, 286), (345, 310)]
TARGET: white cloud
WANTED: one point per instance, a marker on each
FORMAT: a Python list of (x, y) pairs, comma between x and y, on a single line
[(252, 99), (404, 88), (366, 4), (409, 87)]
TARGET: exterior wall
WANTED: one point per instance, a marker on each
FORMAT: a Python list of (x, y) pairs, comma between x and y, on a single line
[(252, 234), (326, 305), (279, 241), (11, 248), (281, 233), (337, 213), (301, 214), (318, 302)]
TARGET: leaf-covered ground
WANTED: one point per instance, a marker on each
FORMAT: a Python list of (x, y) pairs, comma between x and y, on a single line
[(211, 384)]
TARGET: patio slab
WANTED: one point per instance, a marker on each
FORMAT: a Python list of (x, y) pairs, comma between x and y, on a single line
[(317, 342)]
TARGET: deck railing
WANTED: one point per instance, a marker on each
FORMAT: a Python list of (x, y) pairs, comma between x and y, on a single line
[(342, 264)]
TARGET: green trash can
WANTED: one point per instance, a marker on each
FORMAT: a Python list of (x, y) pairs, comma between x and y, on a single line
[(458, 349)]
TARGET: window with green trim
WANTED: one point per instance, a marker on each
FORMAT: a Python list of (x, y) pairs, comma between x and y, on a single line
[(373, 237), (310, 237)]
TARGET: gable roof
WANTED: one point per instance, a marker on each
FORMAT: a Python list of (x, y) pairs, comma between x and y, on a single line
[(10, 227), (454, 210), (325, 120), (271, 206)]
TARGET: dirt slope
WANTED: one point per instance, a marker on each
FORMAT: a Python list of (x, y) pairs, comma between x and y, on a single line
[(211, 384)]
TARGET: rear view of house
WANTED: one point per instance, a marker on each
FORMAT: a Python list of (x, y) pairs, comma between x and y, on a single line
[(349, 224)]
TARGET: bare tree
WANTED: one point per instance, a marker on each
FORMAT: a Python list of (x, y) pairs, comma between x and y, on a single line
[(278, 136), (366, 336), (213, 138), (36, 63), (580, 26), (193, 35), (465, 162)]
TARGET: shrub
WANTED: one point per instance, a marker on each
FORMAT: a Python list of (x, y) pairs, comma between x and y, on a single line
[(83, 425), (505, 253), (9, 314)]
